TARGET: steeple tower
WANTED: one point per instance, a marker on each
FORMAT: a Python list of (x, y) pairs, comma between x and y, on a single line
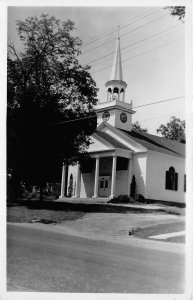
[(117, 73), (116, 86), (115, 110)]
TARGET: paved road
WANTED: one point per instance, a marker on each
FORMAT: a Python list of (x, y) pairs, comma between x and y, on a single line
[(40, 260)]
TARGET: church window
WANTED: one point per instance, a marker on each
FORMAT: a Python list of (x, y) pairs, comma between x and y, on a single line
[(122, 94), (116, 90), (171, 180), (104, 184)]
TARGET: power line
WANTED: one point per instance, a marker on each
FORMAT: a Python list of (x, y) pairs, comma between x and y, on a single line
[(152, 21), (75, 120), (121, 27), (144, 120), (135, 48), (155, 34), (114, 29), (161, 101), (156, 102), (143, 53)]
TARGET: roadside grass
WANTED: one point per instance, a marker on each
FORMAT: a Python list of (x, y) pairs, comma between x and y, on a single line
[(171, 210), (176, 239), (32, 211), (175, 210), (48, 207), (21, 214), (160, 229), (57, 212)]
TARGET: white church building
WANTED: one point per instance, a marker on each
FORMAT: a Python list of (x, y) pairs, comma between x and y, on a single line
[(117, 153)]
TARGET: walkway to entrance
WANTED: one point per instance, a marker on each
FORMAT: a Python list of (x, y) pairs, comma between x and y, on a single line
[(85, 200), (105, 200)]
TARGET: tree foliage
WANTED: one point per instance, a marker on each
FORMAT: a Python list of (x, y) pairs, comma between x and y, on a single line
[(136, 126), (51, 98), (173, 130), (177, 11)]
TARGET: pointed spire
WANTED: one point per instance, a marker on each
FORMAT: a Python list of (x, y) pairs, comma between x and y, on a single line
[(116, 73)]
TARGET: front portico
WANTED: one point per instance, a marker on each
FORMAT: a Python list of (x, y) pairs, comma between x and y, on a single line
[(105, 176), (109, 171)]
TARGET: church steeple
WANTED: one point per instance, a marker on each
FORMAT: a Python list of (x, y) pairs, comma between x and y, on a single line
[(115, 111), (117, 73), (116, 86)]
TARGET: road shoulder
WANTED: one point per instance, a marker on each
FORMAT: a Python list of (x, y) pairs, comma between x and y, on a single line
[(125, 240)]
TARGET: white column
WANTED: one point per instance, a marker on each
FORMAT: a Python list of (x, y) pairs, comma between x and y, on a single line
[(113, 181), (63, 181), (78, 176), (96, 182)]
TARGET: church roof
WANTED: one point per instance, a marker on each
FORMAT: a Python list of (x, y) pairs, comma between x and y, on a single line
[(156, 143), (111, 140)]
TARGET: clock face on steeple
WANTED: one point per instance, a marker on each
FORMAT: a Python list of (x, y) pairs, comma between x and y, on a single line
[(106, 116), (123, 117)]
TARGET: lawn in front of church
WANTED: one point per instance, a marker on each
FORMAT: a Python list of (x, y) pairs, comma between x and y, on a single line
[(101, 220)]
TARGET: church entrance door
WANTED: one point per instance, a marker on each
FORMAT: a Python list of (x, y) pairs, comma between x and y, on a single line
[(104, 190)]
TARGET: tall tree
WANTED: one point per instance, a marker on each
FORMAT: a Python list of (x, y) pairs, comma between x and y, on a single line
[(136, 126), (178, 11), (51, 98), (173, 130)]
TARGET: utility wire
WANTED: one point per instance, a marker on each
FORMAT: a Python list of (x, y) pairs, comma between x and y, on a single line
[(156, 102), (141, 26), (123, 53), (75, 120), (144, 120), (161, 101), (143, 53), (115, 30), (155, 34)]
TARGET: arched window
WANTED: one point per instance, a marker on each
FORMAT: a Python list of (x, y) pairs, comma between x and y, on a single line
[(171, 179), (116, 90), (171, 169), (109, 91), (122, 94)]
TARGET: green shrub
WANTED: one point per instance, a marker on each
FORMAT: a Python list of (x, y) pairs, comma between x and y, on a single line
[(32, 196), (133, 187), (121, 199), (140, 198), (70, 187)]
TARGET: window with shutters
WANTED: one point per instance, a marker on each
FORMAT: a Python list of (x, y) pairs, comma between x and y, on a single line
[(171, 179), (184, 183)]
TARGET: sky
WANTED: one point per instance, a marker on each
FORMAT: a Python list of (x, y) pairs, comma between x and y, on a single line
[(152, 48)]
